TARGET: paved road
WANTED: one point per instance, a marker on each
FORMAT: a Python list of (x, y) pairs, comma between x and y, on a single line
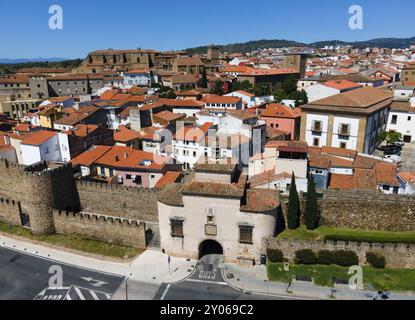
[(26, 277), (206, 283)]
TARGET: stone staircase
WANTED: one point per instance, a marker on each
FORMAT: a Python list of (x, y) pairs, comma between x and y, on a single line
[(153, 236)]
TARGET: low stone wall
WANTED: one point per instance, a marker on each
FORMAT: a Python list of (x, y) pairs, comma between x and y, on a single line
[(99, 227), (396, 255), (131, 203), (10, 212)]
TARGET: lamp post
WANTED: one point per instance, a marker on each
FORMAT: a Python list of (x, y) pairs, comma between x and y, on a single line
[(126, 286)]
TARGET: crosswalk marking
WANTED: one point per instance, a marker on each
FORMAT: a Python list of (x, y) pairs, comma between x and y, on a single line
[(93, 295), (72, 293), (81, 296)]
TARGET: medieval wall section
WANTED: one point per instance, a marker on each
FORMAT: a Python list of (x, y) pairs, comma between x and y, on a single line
[(368, 210), (363, 210), (396, 255), (9, 211), (102, 228), (113, 200)]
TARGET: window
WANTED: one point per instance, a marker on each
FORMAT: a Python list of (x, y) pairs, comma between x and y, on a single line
[(245, 234), (385, 188), (194, 153), (409, 118), (176, 228), (343, 145), (128, 177), (394, 119), (316, 142), (344, 129), (316, 126)]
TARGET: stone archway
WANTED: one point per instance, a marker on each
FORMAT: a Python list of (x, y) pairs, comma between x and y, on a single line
[(210, 247)]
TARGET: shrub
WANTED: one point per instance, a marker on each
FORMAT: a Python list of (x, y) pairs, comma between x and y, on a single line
[(275, 255), (345, 258), (375, 260), (325, 257), (305, 256)]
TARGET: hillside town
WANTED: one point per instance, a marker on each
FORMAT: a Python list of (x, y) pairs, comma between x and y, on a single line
[(226, 153)]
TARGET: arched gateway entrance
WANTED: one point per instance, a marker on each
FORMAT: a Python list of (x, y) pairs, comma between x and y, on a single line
[(209, 247)]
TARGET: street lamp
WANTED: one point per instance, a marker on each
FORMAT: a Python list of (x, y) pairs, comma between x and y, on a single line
[(126, 286)]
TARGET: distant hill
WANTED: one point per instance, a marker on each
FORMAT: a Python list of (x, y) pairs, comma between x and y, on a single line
[(14, 61), (380, 42), (7, 68), (248, 46), (264, 44)]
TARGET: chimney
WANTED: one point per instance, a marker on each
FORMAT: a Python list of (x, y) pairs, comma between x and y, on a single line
[(125, 155)]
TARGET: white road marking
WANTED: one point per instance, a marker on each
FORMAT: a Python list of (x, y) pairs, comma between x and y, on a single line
[(108, 296), (79, 293), (93, 295), (68, 297), (165, 292), (204, 281)]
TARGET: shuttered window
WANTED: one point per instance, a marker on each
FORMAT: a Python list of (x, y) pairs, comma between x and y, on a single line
[(176, 228), (245, 234)]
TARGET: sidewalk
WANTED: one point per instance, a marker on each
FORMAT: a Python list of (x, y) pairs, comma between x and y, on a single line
[(145, 274), (254, 280)]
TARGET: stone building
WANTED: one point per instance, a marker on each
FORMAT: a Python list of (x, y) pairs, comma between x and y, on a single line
[(351, 120), (217, 213)]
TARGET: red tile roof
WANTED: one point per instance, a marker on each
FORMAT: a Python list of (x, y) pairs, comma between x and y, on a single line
[(342, 84), (124, 134), (274, 110), (90, 156), (212, 98), (38, 137), (168, 178)]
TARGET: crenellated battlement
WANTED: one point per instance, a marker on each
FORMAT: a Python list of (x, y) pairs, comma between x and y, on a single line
[(93, 186), (111, 229), (91, 217)]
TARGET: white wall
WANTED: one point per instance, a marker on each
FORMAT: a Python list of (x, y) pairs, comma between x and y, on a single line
[(405, 123), (227, 218), (309, 136), (351, 142), (319, 91)]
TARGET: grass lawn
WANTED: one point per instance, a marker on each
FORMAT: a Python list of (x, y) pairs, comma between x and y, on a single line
[(340, 234), (380, 279), (70, 242)]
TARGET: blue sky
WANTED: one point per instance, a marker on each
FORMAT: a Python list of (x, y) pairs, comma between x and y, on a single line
[(177, 24)]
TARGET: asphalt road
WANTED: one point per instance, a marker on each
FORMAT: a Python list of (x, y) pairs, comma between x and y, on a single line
[(207, 283), (26, 277)]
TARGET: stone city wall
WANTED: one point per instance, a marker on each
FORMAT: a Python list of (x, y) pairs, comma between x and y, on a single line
[(9, 211), (131, 203), (364, 210), (102, 228)]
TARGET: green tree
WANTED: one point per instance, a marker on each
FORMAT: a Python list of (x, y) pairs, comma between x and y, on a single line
[(279, 95), (204, 80), (289, 85), (170, 95), (218, 87), (390, 137), (311, 213), (294, 213)]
